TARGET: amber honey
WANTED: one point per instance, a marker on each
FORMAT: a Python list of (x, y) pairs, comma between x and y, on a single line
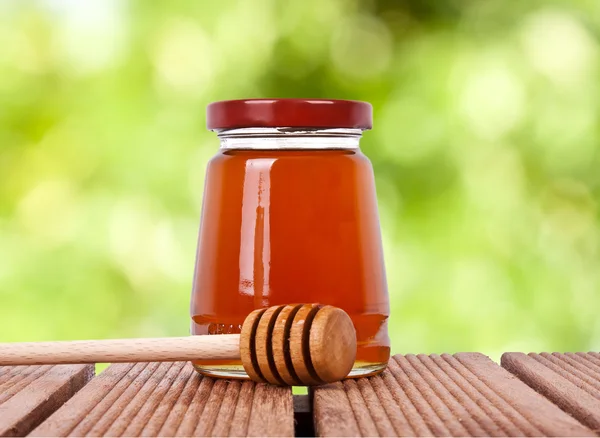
[(290, 226)]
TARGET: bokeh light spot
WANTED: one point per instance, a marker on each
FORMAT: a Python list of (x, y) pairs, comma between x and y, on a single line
[(361, 47), (559, 46)]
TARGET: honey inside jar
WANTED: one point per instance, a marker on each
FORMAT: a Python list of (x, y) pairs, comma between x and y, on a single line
[(290, 219)]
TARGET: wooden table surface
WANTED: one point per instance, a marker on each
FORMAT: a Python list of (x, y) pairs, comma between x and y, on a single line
[(465, 394)]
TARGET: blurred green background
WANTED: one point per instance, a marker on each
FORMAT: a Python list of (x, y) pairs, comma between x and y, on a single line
[(485, 147)]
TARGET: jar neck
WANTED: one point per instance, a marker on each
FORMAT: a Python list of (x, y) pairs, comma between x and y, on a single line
[(289, 138)]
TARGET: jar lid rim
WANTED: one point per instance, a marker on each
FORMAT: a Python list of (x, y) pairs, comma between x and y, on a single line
[(289, 112)]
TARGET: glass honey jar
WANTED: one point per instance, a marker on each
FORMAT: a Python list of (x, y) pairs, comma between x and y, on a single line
[(289, 215)]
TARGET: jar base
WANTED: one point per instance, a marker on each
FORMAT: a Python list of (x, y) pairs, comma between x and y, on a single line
[(235, 371)]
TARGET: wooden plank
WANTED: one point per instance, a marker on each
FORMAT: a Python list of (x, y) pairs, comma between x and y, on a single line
[(28, 395), (465, 394), (571, 381), (171, 399), (272, 411)]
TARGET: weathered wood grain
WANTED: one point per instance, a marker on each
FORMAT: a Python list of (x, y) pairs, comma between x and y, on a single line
[(571, 381), (171, 399), (465, 394), (461, 395), (29, 394)]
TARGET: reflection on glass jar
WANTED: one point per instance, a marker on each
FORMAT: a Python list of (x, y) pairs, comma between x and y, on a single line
[(290, 216)]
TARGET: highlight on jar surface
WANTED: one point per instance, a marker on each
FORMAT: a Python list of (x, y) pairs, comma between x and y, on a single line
[(289, 215)]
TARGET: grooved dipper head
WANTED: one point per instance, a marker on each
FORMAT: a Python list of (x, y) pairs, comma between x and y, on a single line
[(298, 345)]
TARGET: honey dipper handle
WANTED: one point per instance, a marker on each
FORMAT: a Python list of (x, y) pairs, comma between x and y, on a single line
[(221, 347)]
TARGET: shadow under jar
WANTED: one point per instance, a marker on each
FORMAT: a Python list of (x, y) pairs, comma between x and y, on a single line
[(289, 216)]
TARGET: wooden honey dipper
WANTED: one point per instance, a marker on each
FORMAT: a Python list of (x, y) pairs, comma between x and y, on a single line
[(301, 345)]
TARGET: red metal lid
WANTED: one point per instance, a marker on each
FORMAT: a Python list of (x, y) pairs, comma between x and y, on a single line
[(301, 113)]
